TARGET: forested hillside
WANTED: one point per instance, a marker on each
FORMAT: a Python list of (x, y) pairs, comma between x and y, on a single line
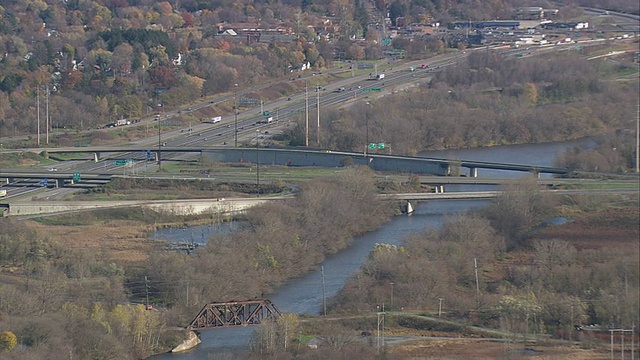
[(104, 60)]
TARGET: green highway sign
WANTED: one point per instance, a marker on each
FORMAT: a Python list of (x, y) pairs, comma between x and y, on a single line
[(122, 162), (372, 146), (380, 145), (76, 176), (370, 90), (376, 146)]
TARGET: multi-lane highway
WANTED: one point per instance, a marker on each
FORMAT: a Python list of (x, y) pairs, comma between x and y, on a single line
[(251, 124)]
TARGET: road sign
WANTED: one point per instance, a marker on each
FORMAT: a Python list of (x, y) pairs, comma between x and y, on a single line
[(148, 154), (370, 90), (372, 146), (76, 176), (120, 162), (44, 182), (380, 145)]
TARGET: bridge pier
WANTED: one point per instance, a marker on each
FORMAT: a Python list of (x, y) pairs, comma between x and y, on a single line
[(473, 172), (409, 208), (156, 156), (96, 157), (439, 189)]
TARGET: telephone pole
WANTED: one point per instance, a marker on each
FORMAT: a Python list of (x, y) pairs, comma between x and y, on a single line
[(38, 110), (638, 139), (47, 122), (475, 265), (306, 113), (324, 301), (318, 106), (159, 146), (235, 114), (146, 285)]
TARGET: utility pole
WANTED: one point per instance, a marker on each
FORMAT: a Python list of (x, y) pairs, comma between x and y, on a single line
[(475, 265), (440, 306), (638, 138), (159, 146), (392, 283), (146, 285), (318, 105), (257, 163), (235, 113), (187, 293), (324, 301), (380, 341), (306, 113), (366, 139), (47, 122), (570, 325), (38, 110)]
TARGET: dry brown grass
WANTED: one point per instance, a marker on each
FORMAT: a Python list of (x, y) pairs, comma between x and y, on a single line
[(611, 228), (474, 349), (119, 241)]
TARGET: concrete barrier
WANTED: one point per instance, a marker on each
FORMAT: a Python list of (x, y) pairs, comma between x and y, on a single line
[(192, 341), (176, 207)]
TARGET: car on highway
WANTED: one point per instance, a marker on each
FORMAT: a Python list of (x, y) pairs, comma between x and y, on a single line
[(53, 169)]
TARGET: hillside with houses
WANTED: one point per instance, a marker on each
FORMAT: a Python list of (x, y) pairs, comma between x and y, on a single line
[(100, 60)]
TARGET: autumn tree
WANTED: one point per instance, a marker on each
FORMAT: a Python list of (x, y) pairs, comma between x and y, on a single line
[(519, 312), (8, 341), (517, 209), (277, 334)]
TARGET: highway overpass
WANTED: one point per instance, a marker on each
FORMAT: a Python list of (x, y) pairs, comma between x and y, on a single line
[(322, 158)]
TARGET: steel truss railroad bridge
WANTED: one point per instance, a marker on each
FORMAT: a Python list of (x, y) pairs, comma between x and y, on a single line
[(234, 313)]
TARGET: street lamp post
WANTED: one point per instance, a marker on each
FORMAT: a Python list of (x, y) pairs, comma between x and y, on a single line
[(392, 283), (235, 112), (258, 162), (366, 116), (160, 141)]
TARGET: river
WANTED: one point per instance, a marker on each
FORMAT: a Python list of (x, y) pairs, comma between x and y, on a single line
[(304, 295)]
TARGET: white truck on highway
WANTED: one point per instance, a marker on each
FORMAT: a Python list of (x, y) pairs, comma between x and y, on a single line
[(380, 76)]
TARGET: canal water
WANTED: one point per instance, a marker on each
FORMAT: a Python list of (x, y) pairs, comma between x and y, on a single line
[(304, 295)]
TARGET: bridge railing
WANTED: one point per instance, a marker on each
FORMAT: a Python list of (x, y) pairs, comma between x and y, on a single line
[(234, 313)]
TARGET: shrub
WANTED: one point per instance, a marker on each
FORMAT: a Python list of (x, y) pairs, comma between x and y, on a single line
[(8, 340)]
